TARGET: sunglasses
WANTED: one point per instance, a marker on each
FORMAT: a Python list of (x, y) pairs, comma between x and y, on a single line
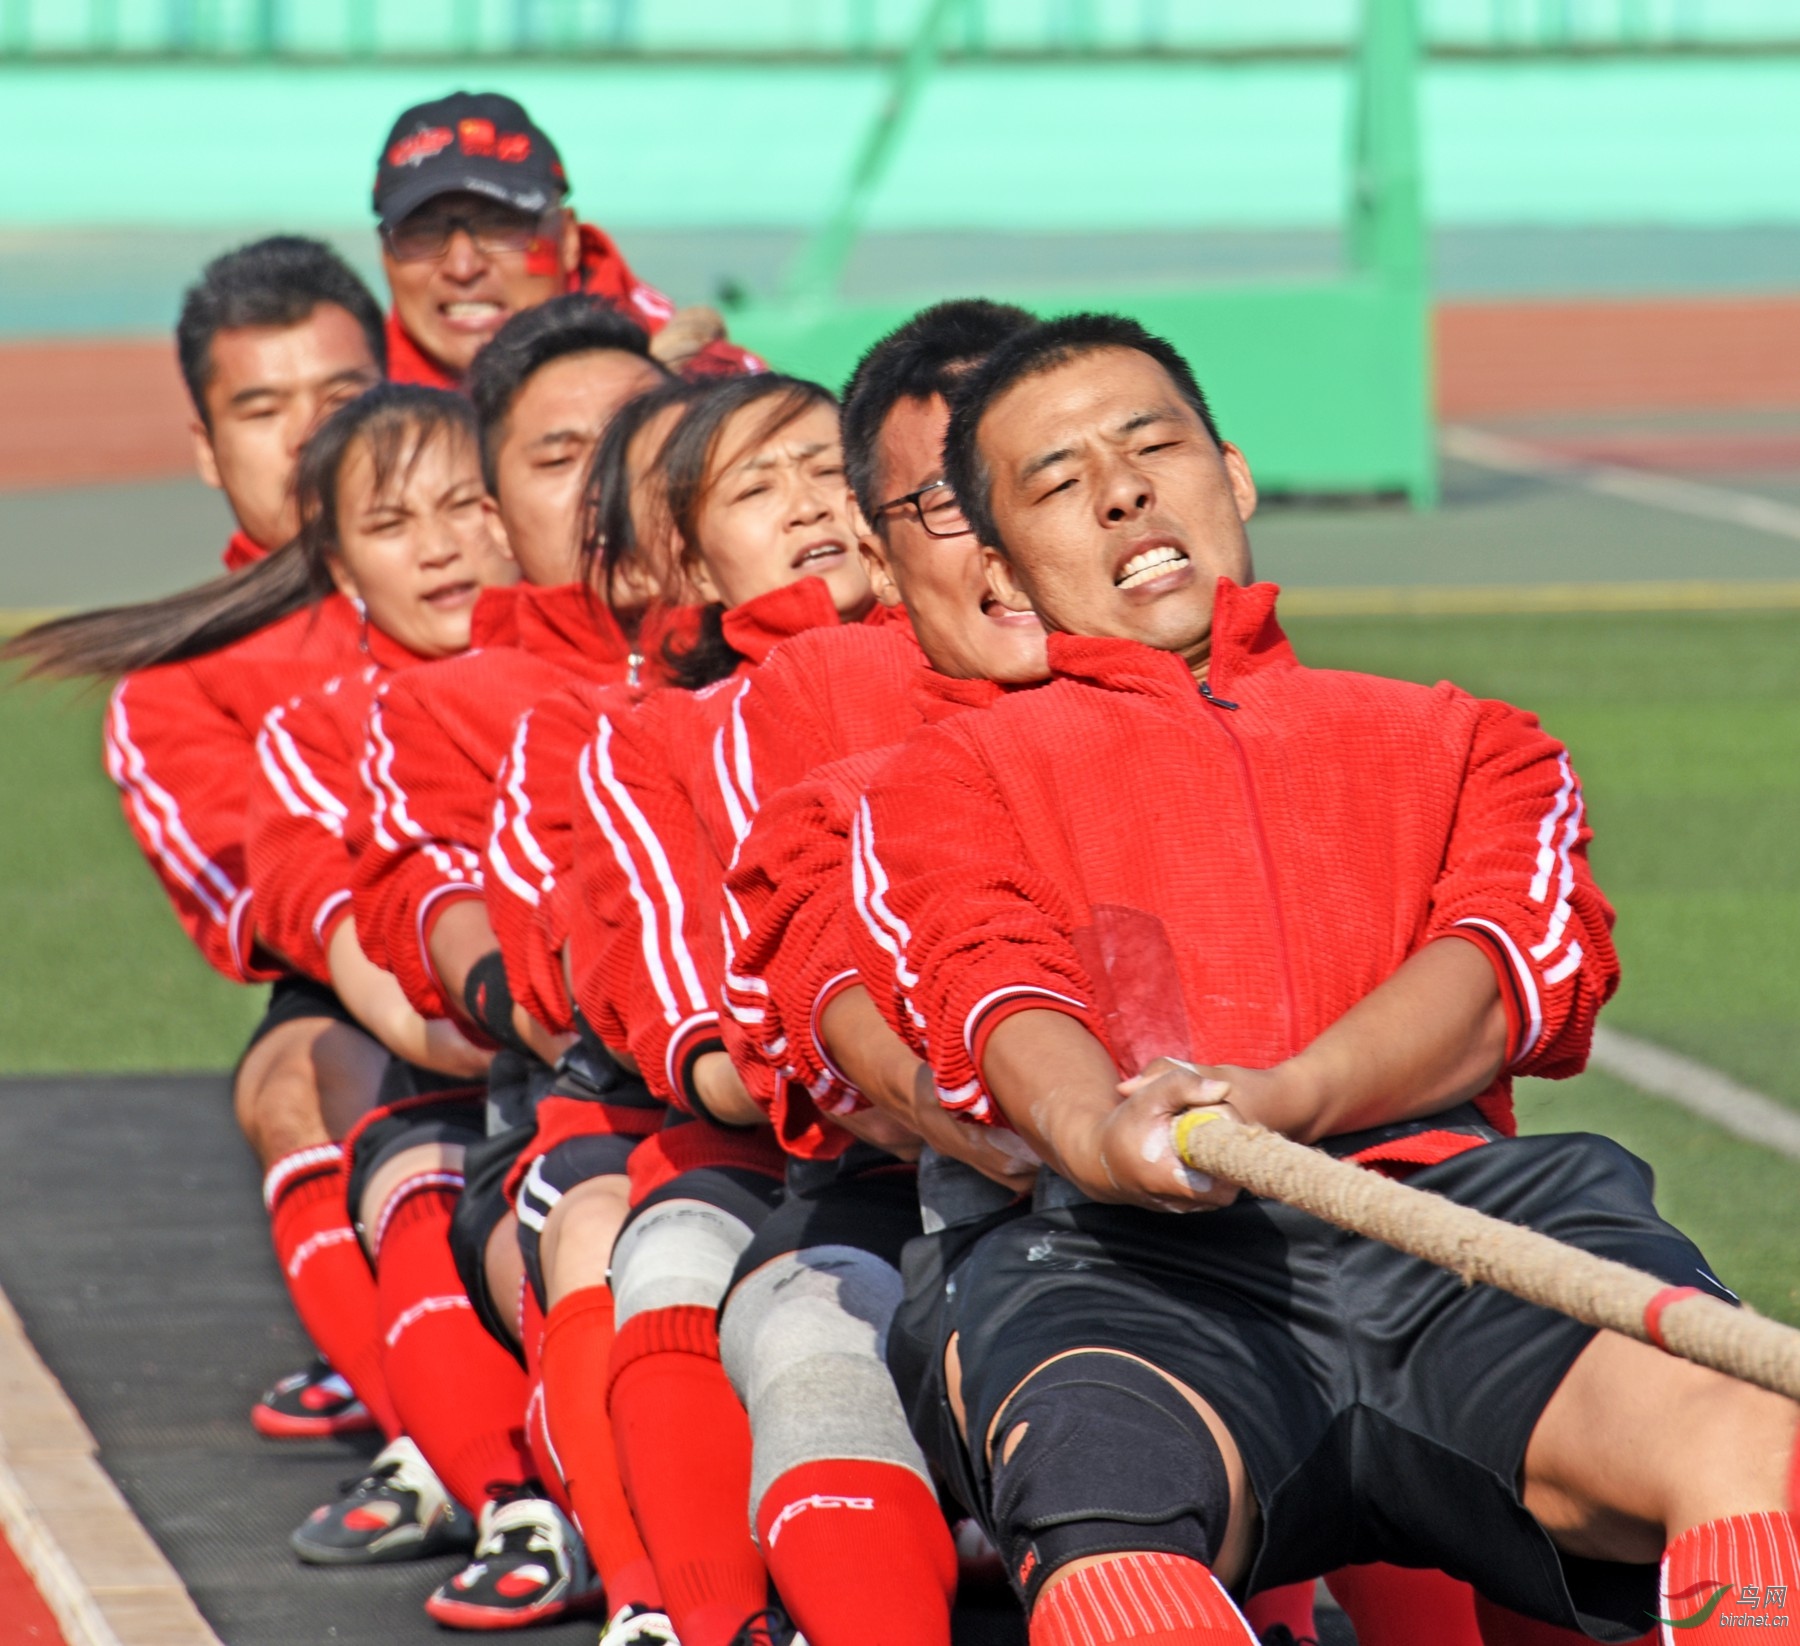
[(425, 235)]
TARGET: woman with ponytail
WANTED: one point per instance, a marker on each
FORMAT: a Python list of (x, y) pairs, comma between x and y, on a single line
[(395, 514), (764, 528)]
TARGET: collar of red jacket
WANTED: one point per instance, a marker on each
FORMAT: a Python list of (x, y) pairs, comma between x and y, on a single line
[(383, 650), (242, 550), (567, 620), (757, 627), (1246, 638)]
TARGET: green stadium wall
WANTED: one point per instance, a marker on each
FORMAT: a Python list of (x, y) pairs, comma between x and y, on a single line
[(1695, 141)]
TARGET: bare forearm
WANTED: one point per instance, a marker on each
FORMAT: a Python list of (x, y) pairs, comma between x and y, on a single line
[(1057, 1086), (875, 1060), (1430, 1037)]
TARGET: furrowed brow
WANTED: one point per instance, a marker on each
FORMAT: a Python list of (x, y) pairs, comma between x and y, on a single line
[(1143, 419), (1048, 460)]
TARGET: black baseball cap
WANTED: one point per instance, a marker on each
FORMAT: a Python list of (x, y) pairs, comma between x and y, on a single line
[(474, 141)]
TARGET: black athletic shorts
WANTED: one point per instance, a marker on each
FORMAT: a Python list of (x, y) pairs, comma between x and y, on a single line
[(480, 1209), (573, 1161), (292, 998), (414, 1106), (1382, 1407), (865, 1198)]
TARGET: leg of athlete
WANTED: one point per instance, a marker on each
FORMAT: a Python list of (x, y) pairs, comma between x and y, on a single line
[(1148, 1598), (575, 1249), (301, 1087), (460, 1396), (845, 1511), (307, 1081), (1639, 1455)]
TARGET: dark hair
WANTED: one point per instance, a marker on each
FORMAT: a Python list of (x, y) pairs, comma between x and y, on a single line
[(686, 460), (274, 282), (927, 356), (1043, 348), (395, 421), (576, 323), (610, 532)]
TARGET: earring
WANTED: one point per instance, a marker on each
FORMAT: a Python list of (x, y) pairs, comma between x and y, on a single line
[(362, 617)]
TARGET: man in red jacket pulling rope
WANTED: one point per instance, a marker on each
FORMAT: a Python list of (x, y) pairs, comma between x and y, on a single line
[(1190, 871)]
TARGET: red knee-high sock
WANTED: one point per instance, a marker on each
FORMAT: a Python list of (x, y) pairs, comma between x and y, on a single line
[(1150, 1600), (1718, 1579), (684, 1456), (1396, 1606), (860, 1554), (577, 1349), (460, 1396), (1499, 1627), (544, 1462), (327, 1275), (1291, 1604)]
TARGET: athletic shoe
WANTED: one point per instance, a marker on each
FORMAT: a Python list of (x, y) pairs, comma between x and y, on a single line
[(529, 1566), (770, 1628), (399, 1510), (311, 1405), (638, 1626)]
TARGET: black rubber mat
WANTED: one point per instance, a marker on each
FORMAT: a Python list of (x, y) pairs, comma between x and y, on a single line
[(133, 1245)]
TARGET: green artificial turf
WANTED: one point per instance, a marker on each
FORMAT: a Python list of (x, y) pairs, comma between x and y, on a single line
[(94, 972), (1736, 1201), (1685, 729)]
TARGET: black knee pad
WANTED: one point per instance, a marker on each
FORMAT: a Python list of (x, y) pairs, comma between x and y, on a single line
[(1113, 1460)]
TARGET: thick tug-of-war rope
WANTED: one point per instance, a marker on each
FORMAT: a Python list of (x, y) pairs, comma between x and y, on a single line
[(1533, 1266)]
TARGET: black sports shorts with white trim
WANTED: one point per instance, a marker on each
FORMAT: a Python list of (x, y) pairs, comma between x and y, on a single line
[(866, 1199), (1382, 1407)]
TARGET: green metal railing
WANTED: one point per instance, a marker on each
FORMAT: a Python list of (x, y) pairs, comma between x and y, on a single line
[(852, 29)]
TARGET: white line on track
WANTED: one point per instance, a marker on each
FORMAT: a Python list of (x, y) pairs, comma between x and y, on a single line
[(1700, 1090), (1656, 491)]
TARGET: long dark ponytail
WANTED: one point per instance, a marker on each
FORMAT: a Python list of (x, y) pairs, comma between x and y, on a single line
[(396, 420)]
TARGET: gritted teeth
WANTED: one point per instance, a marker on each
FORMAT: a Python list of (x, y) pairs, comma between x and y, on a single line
[(820, 551), (1146, 565), (470, 310)]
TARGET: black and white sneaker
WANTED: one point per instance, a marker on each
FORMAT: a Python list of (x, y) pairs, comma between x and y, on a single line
[(771, 1628), (529, 1566), (399, 1510), (311, 1405), (638, 1626)]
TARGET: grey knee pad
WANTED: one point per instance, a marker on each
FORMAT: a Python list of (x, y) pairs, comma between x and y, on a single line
[(678, 1253), (803, 1340), (1113, 1459)]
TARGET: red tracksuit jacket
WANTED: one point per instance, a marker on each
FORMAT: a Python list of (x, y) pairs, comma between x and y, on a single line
[(309, 811), (1220, 879), (831, 706), (180, 744), (603, 272), (664, 794), (437, 737)]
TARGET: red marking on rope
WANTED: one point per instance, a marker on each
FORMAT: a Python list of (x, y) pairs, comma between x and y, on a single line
[(1653, 1310)]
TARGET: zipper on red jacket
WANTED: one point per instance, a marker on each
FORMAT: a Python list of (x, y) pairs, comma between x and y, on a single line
[(1290, 994)]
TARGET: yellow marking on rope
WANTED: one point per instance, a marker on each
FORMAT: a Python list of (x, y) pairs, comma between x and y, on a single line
[(1187, 1124), (1517, 599)]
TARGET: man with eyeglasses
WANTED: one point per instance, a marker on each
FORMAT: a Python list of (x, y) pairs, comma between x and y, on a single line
[(474, 228)]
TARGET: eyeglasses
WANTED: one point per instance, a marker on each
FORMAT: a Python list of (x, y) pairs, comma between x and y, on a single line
[(424, 237), (934, 506)]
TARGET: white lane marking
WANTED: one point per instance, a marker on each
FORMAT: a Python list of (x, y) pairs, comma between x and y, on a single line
[(1697, 1088), (1656, 491)]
